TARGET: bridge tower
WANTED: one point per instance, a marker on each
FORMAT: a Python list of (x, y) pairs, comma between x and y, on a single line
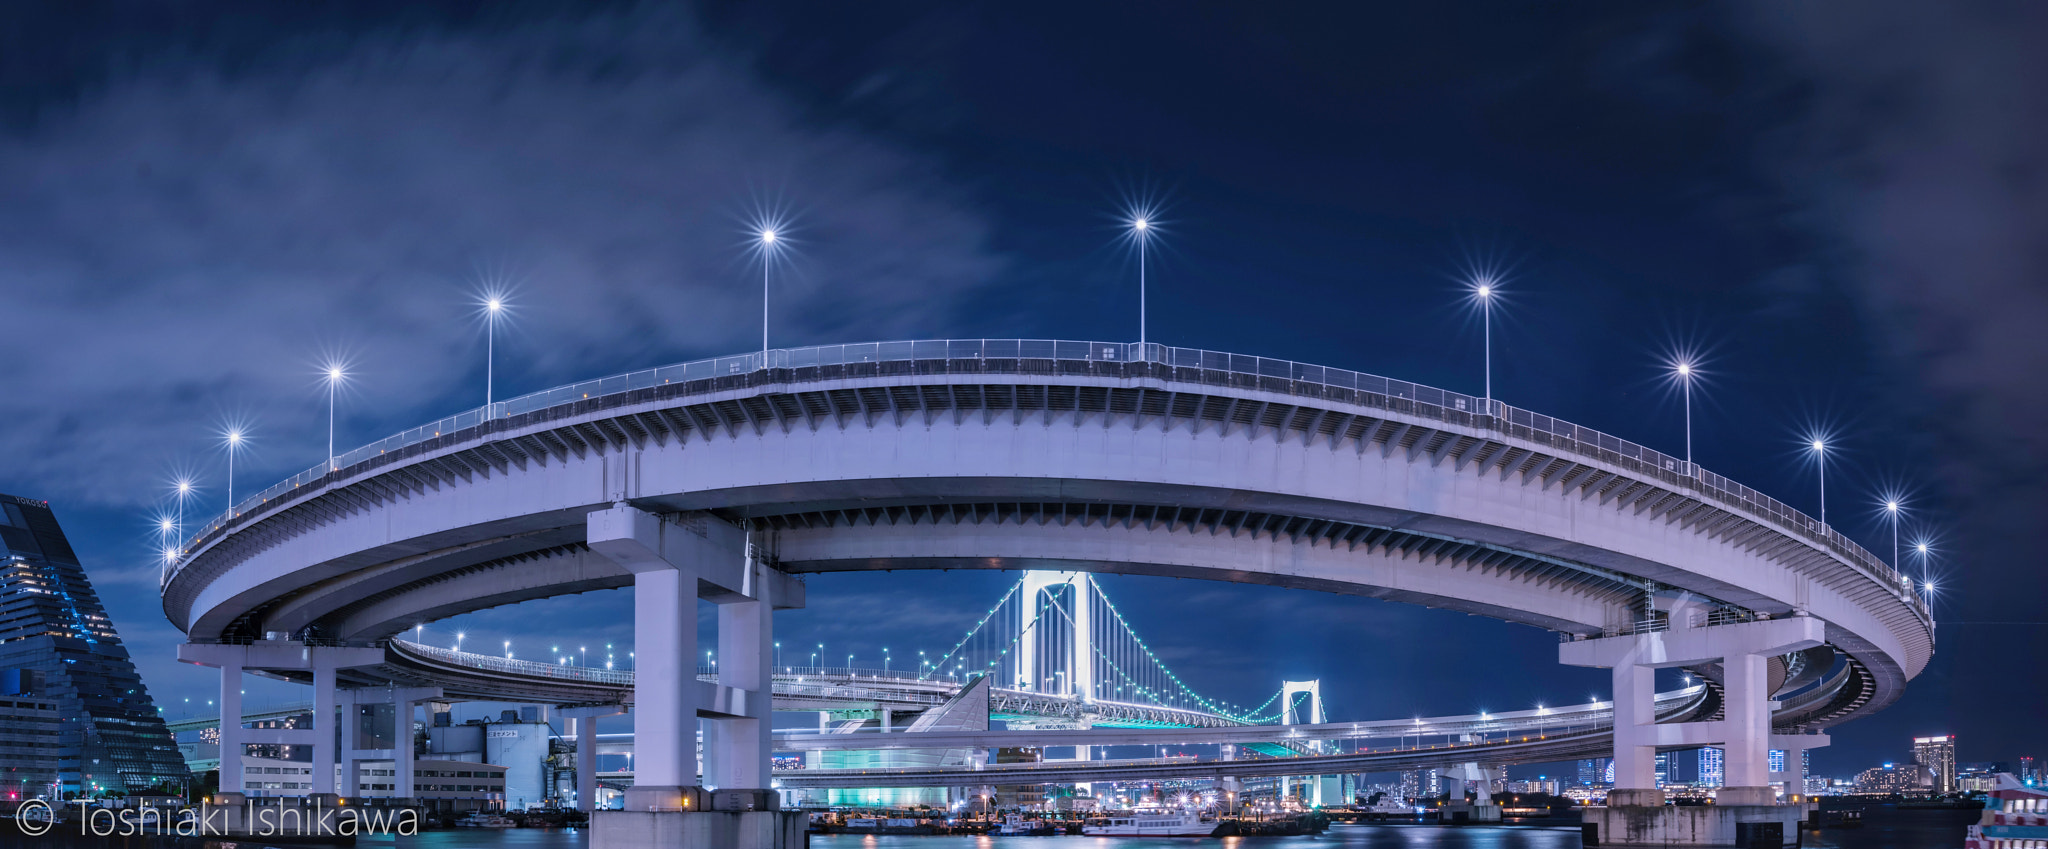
[(1040, 618), (1322, 789)]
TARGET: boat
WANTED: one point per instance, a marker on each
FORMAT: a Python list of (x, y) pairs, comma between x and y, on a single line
[(479, 819), (1150, 825), (2015, 817), (1386, 806), (1015, 825)]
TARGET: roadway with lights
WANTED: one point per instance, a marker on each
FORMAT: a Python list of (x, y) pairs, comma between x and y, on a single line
[(1047, 455)]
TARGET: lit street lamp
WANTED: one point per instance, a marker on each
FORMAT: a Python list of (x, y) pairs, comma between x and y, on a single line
[(493, 308), (335, 375), (1820, 459), (232, 439)]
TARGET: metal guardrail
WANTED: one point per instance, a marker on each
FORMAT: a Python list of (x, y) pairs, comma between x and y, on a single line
[(1046, 356)]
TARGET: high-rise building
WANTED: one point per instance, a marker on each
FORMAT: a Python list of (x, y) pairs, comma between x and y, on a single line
[(2027, 775), (1663, 768), (1938, 754), (62, 666), (1596, 770), (1777, 760), (1710, 767)]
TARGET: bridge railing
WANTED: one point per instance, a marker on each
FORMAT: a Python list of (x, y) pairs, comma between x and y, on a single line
[(1121, 359), (514, 666)]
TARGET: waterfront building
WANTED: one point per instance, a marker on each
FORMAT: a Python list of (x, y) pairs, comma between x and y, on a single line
[(1896, 779), (94, 729), (1710, 766), (1938, 754), (1596, 771)]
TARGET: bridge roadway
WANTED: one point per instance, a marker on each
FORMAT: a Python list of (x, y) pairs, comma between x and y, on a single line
[(1035, 454), (1539, 750)]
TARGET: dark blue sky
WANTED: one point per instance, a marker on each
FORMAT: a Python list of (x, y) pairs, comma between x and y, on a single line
[(1841, 206)]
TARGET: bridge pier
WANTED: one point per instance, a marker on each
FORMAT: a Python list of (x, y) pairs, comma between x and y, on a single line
[(324, 663), (674, 562), (586, 751), (1746, 810)]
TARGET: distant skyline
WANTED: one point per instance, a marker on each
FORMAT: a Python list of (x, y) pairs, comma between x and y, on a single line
[(205, 209)]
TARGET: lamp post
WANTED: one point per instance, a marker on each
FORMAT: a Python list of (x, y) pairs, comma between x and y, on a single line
[(233, 438), (1484, 291), (1820, 459), (1684, 369), (181, 493), (1141, 229), (1891, 512), (335, 374), (768, 247), (494, 306)]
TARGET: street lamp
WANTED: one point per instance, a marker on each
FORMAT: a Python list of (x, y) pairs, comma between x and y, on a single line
[(1684, 369), (768, 246), (1141, 232), (1484, 291), (1819, 447), (181, 492), (232, 438), (493, 308), (335, 375), (1892, 506)]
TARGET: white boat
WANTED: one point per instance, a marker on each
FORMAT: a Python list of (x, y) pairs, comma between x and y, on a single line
[(1150, 825), (479, 819)]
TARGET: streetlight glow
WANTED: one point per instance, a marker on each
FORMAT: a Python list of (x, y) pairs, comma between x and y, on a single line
[(336, 372), (1818, 444), (1485, 290), (495, 307), (232, 440), (1140, 220)]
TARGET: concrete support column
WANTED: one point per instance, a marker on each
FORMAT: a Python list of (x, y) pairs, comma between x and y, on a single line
[(325, 708), (348, 740), (231, 780), (404, 761), (665, 678), (738, 746), (665, 684), (586, 764), (1635, 711), (1747, 723)]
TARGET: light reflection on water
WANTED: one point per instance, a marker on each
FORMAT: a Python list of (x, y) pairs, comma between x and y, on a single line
[(1885, 828)]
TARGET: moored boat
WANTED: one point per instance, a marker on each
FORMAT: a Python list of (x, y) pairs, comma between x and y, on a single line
[(2015, 817), (1150, 825)]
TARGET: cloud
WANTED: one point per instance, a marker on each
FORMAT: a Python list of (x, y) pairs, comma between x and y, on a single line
[(1916, 162), (182, 243)]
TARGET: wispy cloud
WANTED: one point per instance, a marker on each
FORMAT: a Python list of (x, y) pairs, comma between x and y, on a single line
[(181, 242)]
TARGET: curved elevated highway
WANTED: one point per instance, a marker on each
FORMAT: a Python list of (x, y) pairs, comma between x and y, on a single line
[(1073, 456)]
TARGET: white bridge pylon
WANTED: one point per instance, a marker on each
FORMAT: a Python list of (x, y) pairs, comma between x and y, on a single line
[(1071, 671)]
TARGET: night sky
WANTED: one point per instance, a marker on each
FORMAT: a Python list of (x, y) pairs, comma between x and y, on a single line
[(1842, 207)]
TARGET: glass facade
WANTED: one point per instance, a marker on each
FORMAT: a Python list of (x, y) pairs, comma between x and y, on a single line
[(67, 676)]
